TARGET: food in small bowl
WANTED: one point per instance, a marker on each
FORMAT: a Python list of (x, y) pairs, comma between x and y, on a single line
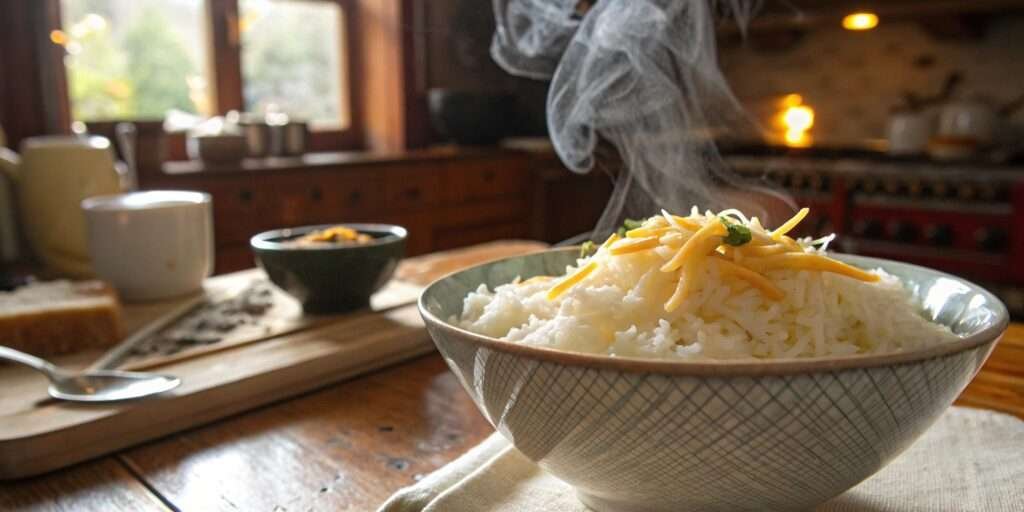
[(332, 235), (707, 363), (330, 276)]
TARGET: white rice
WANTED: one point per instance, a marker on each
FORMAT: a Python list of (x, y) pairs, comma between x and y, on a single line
[(618, 310)]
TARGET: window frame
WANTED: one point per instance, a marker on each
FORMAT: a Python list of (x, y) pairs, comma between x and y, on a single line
[(224, 67)]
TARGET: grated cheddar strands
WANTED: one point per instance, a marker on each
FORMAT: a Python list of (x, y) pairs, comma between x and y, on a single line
[(571, 280), (634, 245), (697, 238)]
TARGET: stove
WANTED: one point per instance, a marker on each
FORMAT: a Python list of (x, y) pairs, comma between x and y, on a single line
[(963, 218)]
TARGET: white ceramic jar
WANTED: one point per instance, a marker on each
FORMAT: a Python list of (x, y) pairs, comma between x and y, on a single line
[(151, 245)]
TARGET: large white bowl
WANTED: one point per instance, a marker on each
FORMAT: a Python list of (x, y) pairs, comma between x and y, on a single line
[(646, 435)]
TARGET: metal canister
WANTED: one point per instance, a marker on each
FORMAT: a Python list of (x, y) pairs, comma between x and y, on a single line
[(295, 139), (257, 138)]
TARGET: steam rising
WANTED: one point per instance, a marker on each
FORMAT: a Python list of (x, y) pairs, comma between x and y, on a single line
[(642, 75)]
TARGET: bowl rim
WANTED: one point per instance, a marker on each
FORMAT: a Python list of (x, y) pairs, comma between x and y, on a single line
[(989, 334), (263, 241)]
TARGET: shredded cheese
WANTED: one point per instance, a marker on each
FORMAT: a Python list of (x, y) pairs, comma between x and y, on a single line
[(692, 225), (634, 245), (810, 261), (571, 280), (645, 232), (762, 250), (790, 224), (682, 289), (756, 280), (699, 237), (611, 240), (710, 229)]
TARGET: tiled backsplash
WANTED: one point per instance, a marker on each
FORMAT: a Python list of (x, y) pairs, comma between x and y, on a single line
[(853, 79)]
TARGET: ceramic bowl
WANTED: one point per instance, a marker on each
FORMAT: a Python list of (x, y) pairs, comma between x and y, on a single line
[(330, 278), (647, 435)]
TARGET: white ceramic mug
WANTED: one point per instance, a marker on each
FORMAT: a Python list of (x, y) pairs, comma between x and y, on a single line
[(151, 245)]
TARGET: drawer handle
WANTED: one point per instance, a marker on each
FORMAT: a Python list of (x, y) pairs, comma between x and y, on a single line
[(316, 194), (245, 196), (412, 193), (355, 196)]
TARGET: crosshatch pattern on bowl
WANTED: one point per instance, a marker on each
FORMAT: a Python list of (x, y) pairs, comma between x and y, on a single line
[(650, 435), (629, 435)]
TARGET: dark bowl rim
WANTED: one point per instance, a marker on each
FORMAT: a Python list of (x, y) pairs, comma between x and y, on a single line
[(744, 368), (264, 241)]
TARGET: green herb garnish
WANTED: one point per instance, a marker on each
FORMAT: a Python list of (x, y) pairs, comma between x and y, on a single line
[(629, 225), (738, 234), (587, 249)]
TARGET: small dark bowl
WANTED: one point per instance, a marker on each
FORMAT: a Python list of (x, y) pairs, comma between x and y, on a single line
[(332, 278)]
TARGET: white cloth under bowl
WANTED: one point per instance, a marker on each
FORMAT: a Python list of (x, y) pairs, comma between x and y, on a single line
[(970, 460)]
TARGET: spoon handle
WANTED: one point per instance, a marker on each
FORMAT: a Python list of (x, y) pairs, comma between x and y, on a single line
[(30, 360)]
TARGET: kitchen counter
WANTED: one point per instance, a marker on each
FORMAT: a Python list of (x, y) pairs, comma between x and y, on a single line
[(338, 159), (345, 447)]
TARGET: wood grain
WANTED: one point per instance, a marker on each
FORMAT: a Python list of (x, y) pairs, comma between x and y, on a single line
[(100, 485), (346, 447), (343, 448), (38, 434), (999, 384)]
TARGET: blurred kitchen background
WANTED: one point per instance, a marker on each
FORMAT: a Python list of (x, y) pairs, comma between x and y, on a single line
[(898, 122)]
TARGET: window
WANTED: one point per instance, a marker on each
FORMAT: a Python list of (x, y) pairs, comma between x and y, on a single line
[(291, 60), (138, 59), (134, 59)]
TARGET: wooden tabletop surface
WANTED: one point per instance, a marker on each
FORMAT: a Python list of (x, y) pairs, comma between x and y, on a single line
[(345, 447)]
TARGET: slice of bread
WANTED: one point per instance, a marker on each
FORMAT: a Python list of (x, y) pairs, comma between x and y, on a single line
[(60, 317)]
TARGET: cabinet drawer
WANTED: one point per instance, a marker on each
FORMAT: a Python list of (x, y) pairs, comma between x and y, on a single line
[(321, 199), (469, 181), (358, 197), (412, 189), (236, 212)]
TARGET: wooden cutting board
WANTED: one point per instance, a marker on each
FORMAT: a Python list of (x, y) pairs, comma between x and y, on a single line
[(289, 355)]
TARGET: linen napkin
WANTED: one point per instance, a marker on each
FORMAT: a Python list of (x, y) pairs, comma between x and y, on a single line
[(970, 460)]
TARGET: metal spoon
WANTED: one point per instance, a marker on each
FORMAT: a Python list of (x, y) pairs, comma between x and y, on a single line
[(94, 386)]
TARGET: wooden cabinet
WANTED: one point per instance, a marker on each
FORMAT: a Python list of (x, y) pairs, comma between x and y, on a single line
[(444, 202)]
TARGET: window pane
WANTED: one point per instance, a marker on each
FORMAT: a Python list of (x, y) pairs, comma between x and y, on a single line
[(134, 58), (292, 54)]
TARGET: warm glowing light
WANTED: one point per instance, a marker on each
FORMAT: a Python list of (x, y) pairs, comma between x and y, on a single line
[(797, 139), (59, 37), (792, 100), (798, 118), (795, 120), (860, 21)]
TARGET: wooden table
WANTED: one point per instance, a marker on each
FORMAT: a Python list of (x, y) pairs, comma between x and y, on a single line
[(346, 447)]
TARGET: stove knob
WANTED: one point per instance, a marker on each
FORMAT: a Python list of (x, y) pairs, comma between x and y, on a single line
[(892, 186), (853, 184), (987, 192), (939, 234), (990, 239), (967, 192), (914, 187), (868, 228), (940, 189), (903, 231)]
